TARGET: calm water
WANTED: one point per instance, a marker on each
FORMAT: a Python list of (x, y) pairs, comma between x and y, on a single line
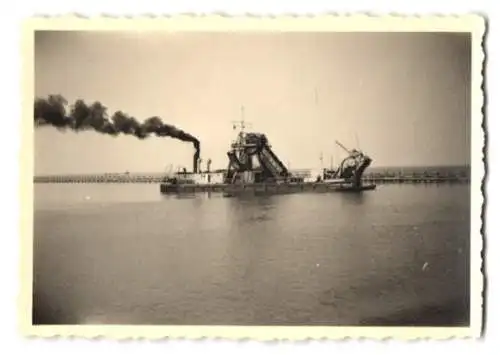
[(126, 254)]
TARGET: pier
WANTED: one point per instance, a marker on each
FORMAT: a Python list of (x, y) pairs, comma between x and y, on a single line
[(101, 179), (385, 177)]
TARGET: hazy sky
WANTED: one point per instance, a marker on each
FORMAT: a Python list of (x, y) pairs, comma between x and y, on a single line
[(403, 96)]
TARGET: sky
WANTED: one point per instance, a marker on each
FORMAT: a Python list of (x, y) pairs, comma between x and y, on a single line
[(402, 98)]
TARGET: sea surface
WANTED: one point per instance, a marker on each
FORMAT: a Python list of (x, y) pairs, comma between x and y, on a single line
[(125, 254)]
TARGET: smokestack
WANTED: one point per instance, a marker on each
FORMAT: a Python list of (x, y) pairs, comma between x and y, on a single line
[(195, 163), (82, 117)]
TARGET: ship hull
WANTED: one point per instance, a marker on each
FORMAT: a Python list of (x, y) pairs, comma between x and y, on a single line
[(263, 188)]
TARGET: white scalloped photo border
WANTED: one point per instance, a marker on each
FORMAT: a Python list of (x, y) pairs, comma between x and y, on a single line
[(472, 23)]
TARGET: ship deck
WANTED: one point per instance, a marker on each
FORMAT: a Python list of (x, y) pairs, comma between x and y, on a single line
[(264, 188)]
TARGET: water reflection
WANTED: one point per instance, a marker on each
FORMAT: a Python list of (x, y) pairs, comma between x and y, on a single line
[(272, 259), (353, 198)]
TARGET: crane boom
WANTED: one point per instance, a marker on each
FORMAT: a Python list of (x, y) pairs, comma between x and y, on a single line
[(343, 147)]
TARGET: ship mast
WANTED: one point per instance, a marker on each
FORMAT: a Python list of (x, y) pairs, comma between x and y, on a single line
[(241, 125)]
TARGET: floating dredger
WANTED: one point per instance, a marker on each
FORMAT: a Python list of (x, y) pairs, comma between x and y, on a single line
[(254, 167)]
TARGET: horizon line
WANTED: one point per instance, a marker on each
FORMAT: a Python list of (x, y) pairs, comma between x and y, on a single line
[(223, 169)]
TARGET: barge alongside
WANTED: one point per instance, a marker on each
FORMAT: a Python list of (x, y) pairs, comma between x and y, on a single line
[(253, 167)]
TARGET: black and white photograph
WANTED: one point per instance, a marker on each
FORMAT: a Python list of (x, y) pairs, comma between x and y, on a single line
[(255, 177)]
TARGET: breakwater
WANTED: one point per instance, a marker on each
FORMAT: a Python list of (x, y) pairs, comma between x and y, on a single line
[(420, 176)]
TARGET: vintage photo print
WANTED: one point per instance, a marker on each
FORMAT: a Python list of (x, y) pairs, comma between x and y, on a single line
[(253, 178)]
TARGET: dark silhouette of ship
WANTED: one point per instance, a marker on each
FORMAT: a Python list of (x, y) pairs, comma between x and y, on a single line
[(254, 167)]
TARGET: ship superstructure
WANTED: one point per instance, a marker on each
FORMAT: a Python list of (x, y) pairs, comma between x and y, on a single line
[(253, 165), (351, 169), (252, 160)]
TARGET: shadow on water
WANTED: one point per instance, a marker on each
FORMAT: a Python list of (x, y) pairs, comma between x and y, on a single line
[(453, 314), (248, 209), (260, 200), (190, 195), (353, 198), (45, 310)]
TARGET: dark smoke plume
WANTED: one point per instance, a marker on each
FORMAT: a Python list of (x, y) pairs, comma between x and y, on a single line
[(82, 117)]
